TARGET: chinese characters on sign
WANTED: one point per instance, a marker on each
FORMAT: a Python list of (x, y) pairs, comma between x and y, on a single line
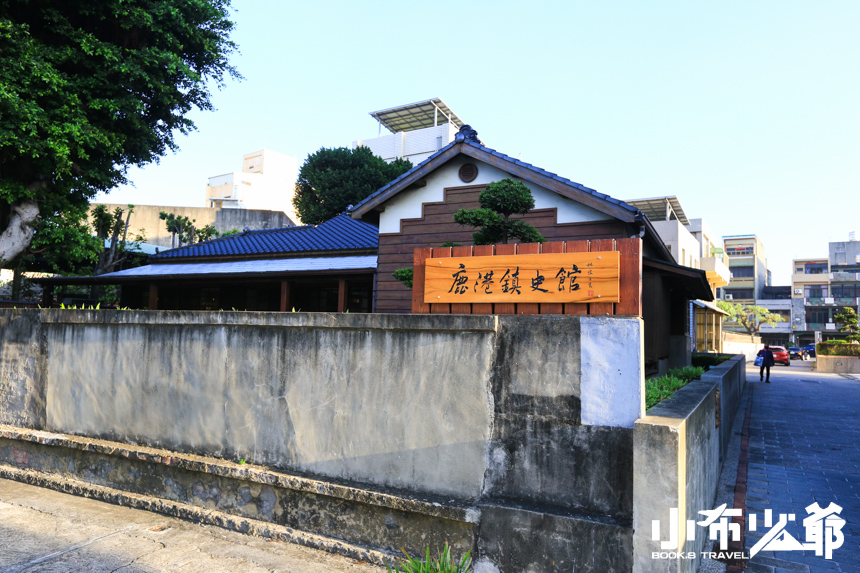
[(823, 528), (548, 278)]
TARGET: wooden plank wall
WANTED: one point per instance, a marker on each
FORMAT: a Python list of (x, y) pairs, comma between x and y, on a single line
[(630, 288), (437, 226)]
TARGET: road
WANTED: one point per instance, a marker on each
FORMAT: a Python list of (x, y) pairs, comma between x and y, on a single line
[(803, 448), (45, 531)]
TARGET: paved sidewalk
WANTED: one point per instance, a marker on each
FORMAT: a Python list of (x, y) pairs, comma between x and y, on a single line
[(804, 447), (45, 531)]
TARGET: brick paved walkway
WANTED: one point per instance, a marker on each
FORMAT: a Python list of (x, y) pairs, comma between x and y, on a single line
[(804, 447)]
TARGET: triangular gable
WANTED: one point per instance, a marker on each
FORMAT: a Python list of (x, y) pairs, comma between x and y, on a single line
[(520, 169)]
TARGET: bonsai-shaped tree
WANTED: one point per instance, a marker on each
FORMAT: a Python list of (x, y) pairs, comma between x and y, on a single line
[(750, 318), (849, 320), (493, 220)]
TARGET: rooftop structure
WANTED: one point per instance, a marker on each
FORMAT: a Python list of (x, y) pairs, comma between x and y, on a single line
[(418, 115), (661, 209)]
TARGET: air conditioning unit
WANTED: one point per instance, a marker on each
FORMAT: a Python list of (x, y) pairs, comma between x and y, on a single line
[(729, 297), (798, 291)]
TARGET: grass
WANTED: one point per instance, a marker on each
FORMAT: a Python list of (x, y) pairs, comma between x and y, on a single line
[(444, 564), (660, 388)]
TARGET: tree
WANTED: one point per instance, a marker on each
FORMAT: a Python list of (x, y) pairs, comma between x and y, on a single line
[(88, 89), (849, 323), (750, 317), (498, 202), (180, 227), (331, 180)]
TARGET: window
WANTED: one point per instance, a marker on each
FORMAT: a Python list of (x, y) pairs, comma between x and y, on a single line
[(845, 291), (740, 293), (742, 272), (739, 250), (815, 291), (818, 315), (815, 268)]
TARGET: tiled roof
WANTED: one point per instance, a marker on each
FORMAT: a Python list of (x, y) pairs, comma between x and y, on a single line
[(523, 164), (340, 233)]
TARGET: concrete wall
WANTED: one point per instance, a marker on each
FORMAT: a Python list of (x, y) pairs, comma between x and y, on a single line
[(146, 217), (734, 343), (502, 412), (838, 364), (678, 450)]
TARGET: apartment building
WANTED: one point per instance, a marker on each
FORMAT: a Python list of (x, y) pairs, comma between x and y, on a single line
[(777, 300), (267, 182), (748, 266), (821, 288), (416, 131), (691, 242)]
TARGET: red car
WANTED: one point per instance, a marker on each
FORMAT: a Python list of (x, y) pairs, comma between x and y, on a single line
[(780, 354)]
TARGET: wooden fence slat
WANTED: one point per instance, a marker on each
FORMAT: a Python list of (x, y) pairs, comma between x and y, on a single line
[(461, 308), (552, 307), (444, 307), (576, 247), (527, 307), (418, 304), (631, 277), (505, 308), (482, 307), (602, 308)]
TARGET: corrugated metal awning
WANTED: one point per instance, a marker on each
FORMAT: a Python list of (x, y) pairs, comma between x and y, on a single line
[(236, 270)]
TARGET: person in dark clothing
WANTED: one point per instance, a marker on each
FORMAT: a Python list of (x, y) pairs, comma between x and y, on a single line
[(766, 362)]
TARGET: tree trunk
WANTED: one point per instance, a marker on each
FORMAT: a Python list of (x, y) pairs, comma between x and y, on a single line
[(18, 235)]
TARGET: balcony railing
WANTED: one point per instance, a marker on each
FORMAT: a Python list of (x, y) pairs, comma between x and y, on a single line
[(844, 277)]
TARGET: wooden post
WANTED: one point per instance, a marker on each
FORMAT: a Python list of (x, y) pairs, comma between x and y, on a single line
[(285, 296), (341, 295), (153, 296)]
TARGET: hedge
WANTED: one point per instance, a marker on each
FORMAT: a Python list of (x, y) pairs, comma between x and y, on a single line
[(837, 349)]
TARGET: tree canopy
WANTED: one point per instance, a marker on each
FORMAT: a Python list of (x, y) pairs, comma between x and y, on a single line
[(750, 317), (331, 180), (500, 200), (88, 89), (848, 323)]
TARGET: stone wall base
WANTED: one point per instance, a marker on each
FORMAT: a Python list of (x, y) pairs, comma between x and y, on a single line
[(367, 524)]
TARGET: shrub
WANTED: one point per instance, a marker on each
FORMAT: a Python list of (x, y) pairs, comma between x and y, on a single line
[(708, 360), (834, 348), (687, 373), (658, 389), (444, 564)]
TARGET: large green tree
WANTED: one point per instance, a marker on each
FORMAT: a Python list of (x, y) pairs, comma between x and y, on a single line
[(499, 200), (331, 180), (88, 89)]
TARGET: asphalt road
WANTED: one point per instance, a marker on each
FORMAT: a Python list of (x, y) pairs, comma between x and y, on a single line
[(45, 531)]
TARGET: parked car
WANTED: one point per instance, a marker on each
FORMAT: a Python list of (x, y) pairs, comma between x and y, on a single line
[(810, 350), (780, 354), (797, 352)]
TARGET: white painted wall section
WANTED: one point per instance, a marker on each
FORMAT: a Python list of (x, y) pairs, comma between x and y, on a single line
[(612, 385), (408, 204)]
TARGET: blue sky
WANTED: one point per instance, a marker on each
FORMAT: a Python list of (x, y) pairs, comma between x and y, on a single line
[(747, 111)]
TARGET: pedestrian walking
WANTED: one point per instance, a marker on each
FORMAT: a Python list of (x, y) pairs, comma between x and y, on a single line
[(766, 356)]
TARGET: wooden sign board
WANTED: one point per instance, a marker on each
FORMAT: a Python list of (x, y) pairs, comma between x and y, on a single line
[(547, 278)]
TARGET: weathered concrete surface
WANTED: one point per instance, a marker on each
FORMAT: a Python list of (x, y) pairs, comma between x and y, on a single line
[(731, 379), (507, 540), (514, 412), (677, 454), (43, 530), (837, 364), (315, 394), (22, 383), (383, 520)]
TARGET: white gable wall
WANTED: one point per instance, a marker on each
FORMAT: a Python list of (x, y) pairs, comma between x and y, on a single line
[(408, 204)]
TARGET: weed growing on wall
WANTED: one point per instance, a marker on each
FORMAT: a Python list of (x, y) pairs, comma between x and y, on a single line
[(658, 389), (444, 564)]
